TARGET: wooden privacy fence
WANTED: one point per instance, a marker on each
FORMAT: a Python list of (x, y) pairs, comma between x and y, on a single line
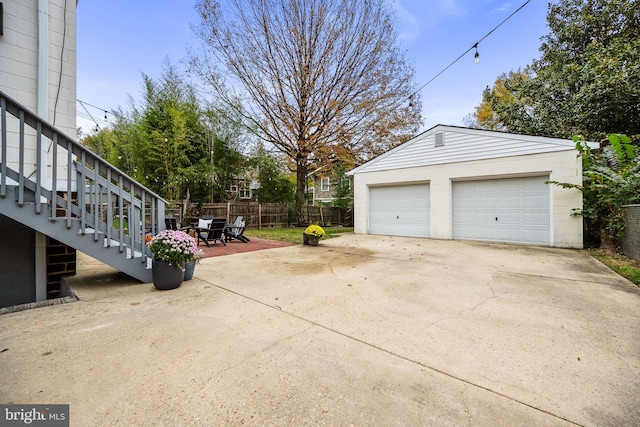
[(266, 215)]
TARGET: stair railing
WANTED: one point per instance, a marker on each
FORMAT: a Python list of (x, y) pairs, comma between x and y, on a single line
[(93, 197)]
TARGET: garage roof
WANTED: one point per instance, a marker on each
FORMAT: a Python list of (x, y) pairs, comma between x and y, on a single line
[(451, 144)]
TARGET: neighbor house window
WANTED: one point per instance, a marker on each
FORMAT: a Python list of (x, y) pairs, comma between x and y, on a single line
[(324, 184), (245, 191)]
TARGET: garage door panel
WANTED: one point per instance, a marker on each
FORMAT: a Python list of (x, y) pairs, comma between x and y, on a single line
[(484, 234), (510, 202), (465, 202), (401, 210), (483, 217), (509, 235), (464, 187), (466, 218), (521, 206), (484, 201), (510, 219)]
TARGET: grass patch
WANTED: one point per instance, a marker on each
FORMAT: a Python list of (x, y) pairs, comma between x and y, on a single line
[(627, 268), (292, 235)]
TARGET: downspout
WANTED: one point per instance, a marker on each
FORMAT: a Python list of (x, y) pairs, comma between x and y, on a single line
[(43, 60), (43, 112)]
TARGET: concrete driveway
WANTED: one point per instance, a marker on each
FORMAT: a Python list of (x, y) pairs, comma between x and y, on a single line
[(362, 330)]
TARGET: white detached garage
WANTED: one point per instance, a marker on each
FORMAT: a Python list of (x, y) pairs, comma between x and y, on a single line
[(469, 184)]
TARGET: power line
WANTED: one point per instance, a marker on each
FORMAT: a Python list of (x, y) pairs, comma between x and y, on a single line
[(475, 46)]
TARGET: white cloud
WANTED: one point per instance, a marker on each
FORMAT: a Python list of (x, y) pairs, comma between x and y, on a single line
[(409, 25), (504, 7), (448, 7), (416, 17)]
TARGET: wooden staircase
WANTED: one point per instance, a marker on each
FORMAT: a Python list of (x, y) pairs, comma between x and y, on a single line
[(56, 186)]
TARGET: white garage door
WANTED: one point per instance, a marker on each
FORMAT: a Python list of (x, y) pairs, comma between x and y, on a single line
[(401, 210), (502, 210)]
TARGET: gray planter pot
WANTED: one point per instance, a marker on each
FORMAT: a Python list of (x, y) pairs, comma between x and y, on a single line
[(310, 240), (167, 276), (189, 268)]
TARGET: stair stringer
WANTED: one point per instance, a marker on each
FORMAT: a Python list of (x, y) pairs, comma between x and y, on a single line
[(133, 263)]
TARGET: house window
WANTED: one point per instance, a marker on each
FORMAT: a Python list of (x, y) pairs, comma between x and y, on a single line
[(245, 191), (324, 184)]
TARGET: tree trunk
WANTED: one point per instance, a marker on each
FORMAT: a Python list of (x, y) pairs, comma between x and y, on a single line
[(606, 242), (301, 187)]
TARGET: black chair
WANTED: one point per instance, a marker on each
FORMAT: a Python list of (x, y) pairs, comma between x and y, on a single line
[(213, 233), (170, 223)]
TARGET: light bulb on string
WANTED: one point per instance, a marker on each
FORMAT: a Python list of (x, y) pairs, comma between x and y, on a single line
[(476, 56)]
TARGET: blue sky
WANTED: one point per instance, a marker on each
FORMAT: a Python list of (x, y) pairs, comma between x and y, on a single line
[(117, 40)]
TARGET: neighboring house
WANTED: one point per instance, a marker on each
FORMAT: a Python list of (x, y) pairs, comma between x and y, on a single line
[(241, 189), (324, 185), (44, 219), (469, 184)]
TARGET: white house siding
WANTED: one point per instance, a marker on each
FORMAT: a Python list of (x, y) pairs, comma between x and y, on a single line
[(565, 166), (19, 66), (461, 145)]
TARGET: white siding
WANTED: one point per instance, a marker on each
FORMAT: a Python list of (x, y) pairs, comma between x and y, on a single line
[(19, 58), (461, 145), (19, 68)]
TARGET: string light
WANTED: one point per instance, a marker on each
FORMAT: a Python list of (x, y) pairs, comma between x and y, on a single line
[(476, 56), (97, 128)]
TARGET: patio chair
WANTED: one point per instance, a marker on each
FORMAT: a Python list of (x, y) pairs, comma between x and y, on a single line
[(211, 231), (236, 231), (170, 223)]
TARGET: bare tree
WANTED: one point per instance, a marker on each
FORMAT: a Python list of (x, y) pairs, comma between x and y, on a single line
[(318, 79)]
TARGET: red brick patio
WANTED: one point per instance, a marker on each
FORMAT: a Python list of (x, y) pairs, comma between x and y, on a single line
[(236, 247)]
